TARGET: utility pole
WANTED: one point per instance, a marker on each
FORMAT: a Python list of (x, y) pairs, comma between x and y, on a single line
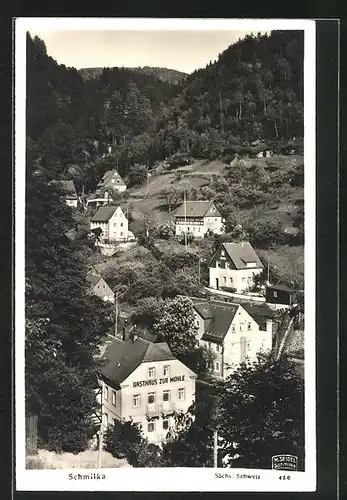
[(268, 270), (116, 324), (215, 448), (101, 428), (185, 220)]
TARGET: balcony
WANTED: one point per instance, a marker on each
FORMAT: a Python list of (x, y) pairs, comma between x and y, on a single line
[(160, 409)]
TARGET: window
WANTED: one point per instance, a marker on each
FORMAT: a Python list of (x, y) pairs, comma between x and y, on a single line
[(241, 326), (222, 253), (275, 294), (151, 372), (106, 393), (114, 398), (106, 420), (197, 322), (181, 393), (136, 400), (249, 280), (217, 263), (218, 348), (121, 233), (121, 224), (227, 265), (248, 346), (166, 370), (165, 424), (216, 366), (243, 280), (231, 281), (198, 229), (166, 396), (215, 220), (151, 426), (224, 279), (249, 326), (233, 329), (151, 398), (115, 224)]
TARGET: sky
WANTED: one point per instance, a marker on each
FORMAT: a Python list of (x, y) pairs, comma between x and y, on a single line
[(181, 50)]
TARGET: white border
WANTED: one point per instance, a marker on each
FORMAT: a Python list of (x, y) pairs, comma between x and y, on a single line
[(167, 479)]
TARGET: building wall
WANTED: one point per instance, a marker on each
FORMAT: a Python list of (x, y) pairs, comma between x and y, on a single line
[(131, 387), (279, 296), (120, 188), (234, 349), (118, 226), (194, 225), (102, 290), (243, 341), (238, 279), (72, 203), (198, 226), (214, 224), (110, 410), (115, 229)]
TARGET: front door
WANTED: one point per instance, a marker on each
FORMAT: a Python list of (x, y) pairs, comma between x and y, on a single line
[(217, 283)]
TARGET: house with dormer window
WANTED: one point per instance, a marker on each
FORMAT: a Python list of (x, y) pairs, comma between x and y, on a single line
[(231, 333), (233, 267), (112, 181)]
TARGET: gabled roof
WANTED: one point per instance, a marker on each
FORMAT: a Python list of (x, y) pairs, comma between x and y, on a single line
[(103, 214), (197, 209), (260, 313), (69, 187), (218, 317), (93, 279), (122, 358), (242, 253), (283, 288), (109, 175)]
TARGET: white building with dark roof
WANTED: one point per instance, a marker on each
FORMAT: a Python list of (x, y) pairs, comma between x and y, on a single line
[(112, 222), (100, 288), (231, 333), (233, 267), (113, 181), (71, 194), (197, 218), (143, 381)]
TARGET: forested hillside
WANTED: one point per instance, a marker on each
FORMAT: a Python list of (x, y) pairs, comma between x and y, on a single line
[(164, 74), (253, 92)]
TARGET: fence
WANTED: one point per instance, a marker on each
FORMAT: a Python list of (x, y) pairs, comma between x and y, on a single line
[(31, 434)]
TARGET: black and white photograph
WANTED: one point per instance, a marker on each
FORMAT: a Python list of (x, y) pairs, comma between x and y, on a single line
[(165, 254)]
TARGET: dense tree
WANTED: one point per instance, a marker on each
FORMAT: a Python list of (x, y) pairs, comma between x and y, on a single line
[(261, 413), (177, 326), (57, 290)]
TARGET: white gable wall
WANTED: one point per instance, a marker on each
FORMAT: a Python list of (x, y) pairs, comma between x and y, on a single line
[(240, 279), (118, 226), (179, 377)]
